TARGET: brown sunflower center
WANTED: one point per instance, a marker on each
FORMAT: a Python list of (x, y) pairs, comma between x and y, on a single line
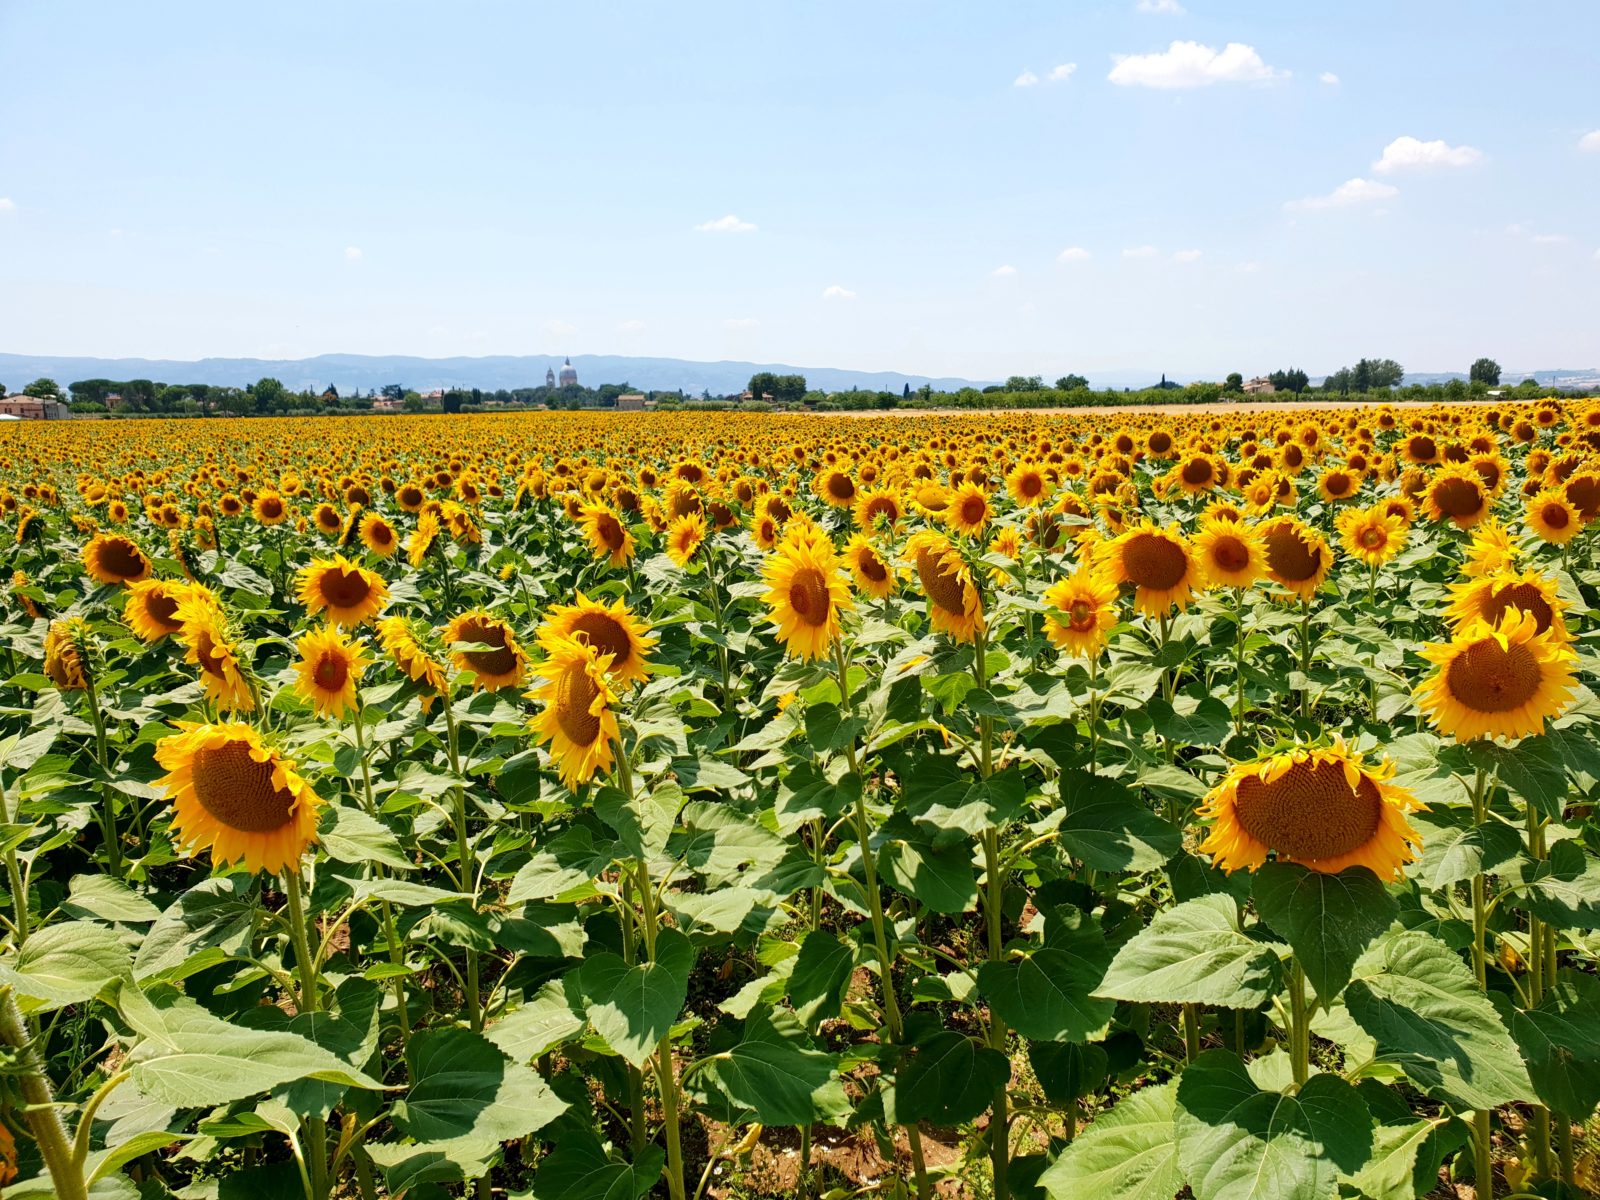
[(122, 558), (330, 672), (495, 662), (1424, 449), (882, 506), (1338, 484), (1555, 516), (1197, 471), (238, 791), (610, 531), (163, 610), (1080, 615), (575, 693), (1030, 485), (870, 565), (1154, 561), (1458, 497), (1160, 443), (974, 510), (1489, 678), (211, 656), (271, 507), (1584, 494), (808, 596), (380, 533), (606, 634), (942, 583), (840, 486), (343, 589), (1291, 556), (1524, 596), (1230, 553), (1310, 812)]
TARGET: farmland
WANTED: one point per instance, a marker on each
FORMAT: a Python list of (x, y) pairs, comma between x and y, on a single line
[(710, 805)]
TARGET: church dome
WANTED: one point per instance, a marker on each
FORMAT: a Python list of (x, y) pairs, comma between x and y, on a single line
[(569, 374)]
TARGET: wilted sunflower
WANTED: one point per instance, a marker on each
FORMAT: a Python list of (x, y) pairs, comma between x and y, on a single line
[(501, 663), (347, 591), (1458, 494), (1325, 809), (623, 638), (1157, 562), (1503, 680), (955, 605), (1491, 550), (62, 662), (329, 671), (112, 558), (968, 511), (873, 574), (209, 645), (1553, 517), (1230, 552), (423, 537), (607, 536), (1487, 598), (684, 537), (805, 595), (1087, 603), (378, 536), (1371, 535), (578, 719), (151, 609), (237, 797), (1297, 556), (400, 642)]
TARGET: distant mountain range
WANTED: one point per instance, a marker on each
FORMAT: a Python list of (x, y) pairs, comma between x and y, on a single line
[(348, 372)]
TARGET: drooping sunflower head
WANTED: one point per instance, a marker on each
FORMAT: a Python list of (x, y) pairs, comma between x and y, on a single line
[(624, 639), (684, 537), (1553, 517), (112, 558), (348, 592), (1297, 556), (874, 575), (1371, 535), (400, 642), (955, 606), (1326, 809), (151, 609), (237, 797), (378, 536), (1488, 598), (806, 593), (63, 658), (210, 645), (579, 719), (489, 650), (1084, 610), (1230, 552), (607, 536), (329, 671), (1157, 562), (1502, 680)]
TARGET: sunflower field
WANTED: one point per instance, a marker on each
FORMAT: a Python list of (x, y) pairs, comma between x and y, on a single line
[(599, 806)]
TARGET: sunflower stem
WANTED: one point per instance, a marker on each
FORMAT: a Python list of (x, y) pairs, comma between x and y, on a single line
[(42, 1115), (1238, 661), (1482, 1128), (465, 875), (390, 933), (316, 1128), (1299, 1024), (108, 815)]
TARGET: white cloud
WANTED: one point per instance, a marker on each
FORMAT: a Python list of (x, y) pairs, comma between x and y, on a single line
[(834, 292), (1589, 141), (727, 224), (561, 328), (1329, 78), (1003, 272), (738, 324), (1189, 64), (1248, 268), (1026, 79), (1073, 254), (1170, 8), (632, 326), (1063, 72), (7, 204), (1348, 194), (1407, 152), (1550, 239), (1139, 252), (352, 254), (1186, 256)]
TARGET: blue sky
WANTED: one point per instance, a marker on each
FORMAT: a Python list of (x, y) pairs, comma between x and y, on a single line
[(864, 185)]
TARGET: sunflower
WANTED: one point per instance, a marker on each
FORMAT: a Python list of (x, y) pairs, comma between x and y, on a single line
[(400, 642), (872, 573), (112, 558), (151, 609), (1371, 535), (269, 508), (351, 594), (955, 605), (1458, 494), (329, 670), (62, 661), (623, 638), (684, 537), (878, 508), (1087, 603), (1196, 474), (805, 595), (578, 719), (378, 536), (1487, 598), (1297, 556), (764, 530), (835, 488), (968, 511), (501, 661), (1492, 549), (423, 537), (237, 797), (1029, 485), (1326, 809), (1157, 562), (607, 536), (209, 646), (1230, 553), (1553, 517), (19, 582), (1499, 680)]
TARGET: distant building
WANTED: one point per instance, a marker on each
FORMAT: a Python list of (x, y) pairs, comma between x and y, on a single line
[(569, 374), (550, 378), (28, 408), (1259, 386), (388, 404), (632, 402)]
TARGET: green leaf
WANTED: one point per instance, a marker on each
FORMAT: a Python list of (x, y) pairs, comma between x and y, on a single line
[(1329, 920), (948, 1079), (1533, 768), (963, 807), (643, 825), (580, 1170), (1237, 1142), (554, 1015), (1560, 1042), (104, 1163), (353, 836), (1194, 953), (463, 1086), (215, 914), (564, 864), (1452, 852), (1068, 1071), (1129, 1153), (719, 844), (408, 1166), (777, 1075), (1051, 995), (806, 794), (1418, 1001), (1206, 725), (108, 899), (634, 1007), (1118, 834), (65, 964), (941, 878), (1563, 889), (821, 973), (1389, 1173)]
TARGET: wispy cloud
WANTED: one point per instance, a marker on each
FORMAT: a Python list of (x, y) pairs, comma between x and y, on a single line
[(1026, 79), (352, 254), (1350, 193), (1590, 141), (740, 324), (1409, 153), (1169, 8), (1063, 72), (7, 204), (1192, 65), (1073, 254), (1139, 252), (835, 292), (1329, 78), (727, 224), (1005, 271), (1186, 256)]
